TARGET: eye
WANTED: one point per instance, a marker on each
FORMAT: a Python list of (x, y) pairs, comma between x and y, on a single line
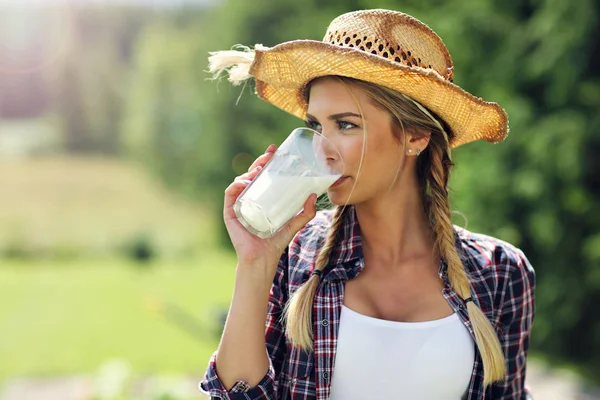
[(313, 125), (344, 125)]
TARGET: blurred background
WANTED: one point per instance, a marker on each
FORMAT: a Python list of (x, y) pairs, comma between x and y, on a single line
[(115, 149)]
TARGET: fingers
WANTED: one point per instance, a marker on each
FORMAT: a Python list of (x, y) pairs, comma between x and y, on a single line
[(250, 175), (232, 193), (241, 182), (264, 159), (308, 213), (258, 164)]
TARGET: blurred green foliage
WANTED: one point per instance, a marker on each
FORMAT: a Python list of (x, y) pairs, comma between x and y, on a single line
[(153, 100), (538, 59)]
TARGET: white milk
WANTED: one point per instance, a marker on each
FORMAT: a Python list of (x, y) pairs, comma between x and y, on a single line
[(273, 199)]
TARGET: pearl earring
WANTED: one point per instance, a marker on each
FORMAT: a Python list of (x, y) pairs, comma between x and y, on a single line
[(410, 150)]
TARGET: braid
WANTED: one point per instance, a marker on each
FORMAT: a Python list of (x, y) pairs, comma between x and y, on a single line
[(298, 310), (441, 222), (437, 175)]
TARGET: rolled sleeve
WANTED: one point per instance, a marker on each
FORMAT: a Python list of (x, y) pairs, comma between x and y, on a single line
[(212, 386), (517, 317)]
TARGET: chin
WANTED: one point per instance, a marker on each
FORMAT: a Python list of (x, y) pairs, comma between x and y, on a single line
[(340, 198)]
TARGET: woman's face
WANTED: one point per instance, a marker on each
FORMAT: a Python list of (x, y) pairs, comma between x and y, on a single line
[(333, 111)]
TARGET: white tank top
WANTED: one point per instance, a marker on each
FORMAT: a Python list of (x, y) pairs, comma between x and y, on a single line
[(380, 359)]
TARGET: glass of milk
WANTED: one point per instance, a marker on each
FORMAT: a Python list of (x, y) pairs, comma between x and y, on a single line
[(305, 163)]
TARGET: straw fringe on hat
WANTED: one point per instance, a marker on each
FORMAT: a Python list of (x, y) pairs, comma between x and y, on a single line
[(384, 47)]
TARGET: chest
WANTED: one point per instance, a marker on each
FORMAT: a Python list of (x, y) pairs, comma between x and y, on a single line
[(405, 296), (313, 372), (401, 359)]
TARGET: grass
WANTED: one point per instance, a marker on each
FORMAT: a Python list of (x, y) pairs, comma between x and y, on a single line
[(70, 314), (93, 206), (63, 319)]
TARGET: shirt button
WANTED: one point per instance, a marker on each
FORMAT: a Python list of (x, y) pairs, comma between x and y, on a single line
[(460, 306), (325, 375), (325, 322)]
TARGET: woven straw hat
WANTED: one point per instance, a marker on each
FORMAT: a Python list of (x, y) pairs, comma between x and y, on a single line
[(384, 47)]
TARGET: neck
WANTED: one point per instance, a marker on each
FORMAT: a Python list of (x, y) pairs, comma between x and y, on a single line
[(394, 227)]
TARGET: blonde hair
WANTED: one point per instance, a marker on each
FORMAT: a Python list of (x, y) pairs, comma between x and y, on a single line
[(433, 172)]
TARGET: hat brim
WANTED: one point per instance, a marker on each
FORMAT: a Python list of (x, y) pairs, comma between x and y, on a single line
[(283, 72)]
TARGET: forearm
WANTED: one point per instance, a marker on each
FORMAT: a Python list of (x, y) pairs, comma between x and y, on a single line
[(242, 353)]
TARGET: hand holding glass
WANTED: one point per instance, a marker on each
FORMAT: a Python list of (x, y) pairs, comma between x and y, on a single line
[(305, 163)]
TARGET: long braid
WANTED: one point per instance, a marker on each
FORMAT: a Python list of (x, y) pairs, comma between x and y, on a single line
[(488, 344), (298, 310), (441, 221)]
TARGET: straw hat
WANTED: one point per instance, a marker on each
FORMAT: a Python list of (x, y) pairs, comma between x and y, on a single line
[(384, 47)]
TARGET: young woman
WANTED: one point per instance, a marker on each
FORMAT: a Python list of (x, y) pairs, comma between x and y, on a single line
[(382, 297)]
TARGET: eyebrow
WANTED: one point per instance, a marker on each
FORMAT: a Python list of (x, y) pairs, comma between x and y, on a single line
[(334, 117)]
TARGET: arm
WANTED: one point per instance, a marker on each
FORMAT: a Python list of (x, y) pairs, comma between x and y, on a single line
[(248, 360), (516, 318), (251, 355)]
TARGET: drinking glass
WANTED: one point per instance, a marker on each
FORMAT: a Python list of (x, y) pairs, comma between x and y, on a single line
[(305, 163)]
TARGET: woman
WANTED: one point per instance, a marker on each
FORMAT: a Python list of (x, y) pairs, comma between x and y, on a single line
[(382, 297)]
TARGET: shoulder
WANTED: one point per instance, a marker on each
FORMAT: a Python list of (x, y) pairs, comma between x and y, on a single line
[(304, 248), (316, 229), (498, 270), (487, 254)]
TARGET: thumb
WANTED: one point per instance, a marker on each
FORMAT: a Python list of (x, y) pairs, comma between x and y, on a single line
[(307, 214)]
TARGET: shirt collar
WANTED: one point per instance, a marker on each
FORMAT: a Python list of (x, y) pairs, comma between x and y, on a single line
[(349, 247), (346, 258)]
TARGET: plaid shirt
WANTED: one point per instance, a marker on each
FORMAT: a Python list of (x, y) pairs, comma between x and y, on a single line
[(502, 285)]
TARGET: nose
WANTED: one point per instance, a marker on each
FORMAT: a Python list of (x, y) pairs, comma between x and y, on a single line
[(328, 154)]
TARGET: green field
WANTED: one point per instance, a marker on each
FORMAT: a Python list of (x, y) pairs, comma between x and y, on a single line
[(69, 301), (91, 206), (70, 318)]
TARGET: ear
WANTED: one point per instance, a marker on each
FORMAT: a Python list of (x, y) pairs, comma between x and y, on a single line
[(417, 142)]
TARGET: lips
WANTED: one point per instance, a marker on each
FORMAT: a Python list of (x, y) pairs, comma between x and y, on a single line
[(339, 181)]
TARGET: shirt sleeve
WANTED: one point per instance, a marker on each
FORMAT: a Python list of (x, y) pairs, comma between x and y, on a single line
[(516, 319), (267, 388)]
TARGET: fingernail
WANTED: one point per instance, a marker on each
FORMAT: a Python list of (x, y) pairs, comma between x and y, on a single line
[(270, 149), (258, 168)]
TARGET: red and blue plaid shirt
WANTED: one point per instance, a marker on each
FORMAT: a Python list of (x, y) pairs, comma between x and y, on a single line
[(502, 285)]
